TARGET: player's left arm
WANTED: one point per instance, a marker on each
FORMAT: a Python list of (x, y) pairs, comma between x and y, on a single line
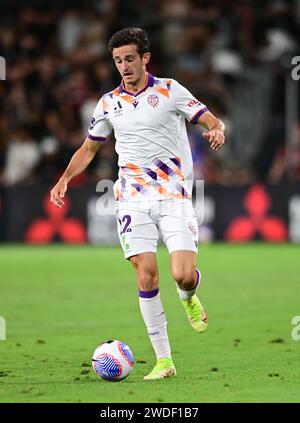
[(216, 130)]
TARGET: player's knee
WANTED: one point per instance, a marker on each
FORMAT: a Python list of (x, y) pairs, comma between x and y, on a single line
[(147, 281), (185, 278), (147, 276)]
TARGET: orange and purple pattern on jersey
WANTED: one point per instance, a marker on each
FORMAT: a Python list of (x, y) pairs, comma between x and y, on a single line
[(162, 180)]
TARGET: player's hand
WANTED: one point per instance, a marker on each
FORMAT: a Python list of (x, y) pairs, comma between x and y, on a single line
[(215, 138), (58, 192)]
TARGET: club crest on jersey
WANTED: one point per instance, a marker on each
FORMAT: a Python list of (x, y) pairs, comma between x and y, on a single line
[(153, 100)]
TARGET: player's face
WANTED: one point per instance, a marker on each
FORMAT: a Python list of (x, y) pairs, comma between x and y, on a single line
[(130, 64)]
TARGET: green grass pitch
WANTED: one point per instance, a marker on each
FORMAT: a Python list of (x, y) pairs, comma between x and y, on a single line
[(60, 302)]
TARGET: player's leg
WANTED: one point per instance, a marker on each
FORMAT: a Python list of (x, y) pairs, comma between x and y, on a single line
[(138, 235), (153, 313), (184, 272), (179, 230), (187, 277)]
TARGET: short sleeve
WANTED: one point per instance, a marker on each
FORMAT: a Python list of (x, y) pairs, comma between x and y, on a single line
[(100, 127), (186, 104)]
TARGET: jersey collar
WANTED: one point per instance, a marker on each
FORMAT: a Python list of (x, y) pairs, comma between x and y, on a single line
[(149, 83)]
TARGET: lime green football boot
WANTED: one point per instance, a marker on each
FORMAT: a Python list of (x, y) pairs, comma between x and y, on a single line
[(195, 313), (164, 368)]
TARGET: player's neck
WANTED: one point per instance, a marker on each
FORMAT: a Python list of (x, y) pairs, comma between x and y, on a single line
[(138, 85)]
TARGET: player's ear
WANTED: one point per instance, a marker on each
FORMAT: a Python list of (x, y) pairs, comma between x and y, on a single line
[(146, 57)]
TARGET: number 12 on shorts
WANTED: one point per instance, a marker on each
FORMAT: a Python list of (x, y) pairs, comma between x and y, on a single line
[(125, 221)]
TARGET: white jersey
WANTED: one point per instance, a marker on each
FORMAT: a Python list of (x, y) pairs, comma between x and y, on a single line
[(151, 140)]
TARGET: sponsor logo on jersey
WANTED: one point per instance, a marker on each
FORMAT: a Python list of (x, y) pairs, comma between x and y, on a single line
[(192, 103), (153, 100), (118, 111)]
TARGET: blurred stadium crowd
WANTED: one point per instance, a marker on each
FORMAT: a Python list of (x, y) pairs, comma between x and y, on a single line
[(234, 56)]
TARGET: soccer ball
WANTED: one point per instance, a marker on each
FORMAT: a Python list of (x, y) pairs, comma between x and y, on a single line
[(113, 360)]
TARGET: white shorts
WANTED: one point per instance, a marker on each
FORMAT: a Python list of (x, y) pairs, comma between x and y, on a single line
[(140, 223)]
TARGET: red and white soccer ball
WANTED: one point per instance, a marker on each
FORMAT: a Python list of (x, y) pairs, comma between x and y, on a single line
[(113, 360)]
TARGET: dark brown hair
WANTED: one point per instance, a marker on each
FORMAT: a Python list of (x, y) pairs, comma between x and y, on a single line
[(137, 36)]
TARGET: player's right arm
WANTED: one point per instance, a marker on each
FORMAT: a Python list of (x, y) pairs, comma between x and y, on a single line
[(98, 132), (78, 163)]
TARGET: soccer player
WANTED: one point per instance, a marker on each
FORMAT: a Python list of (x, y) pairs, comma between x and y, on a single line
[(153, 192)]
